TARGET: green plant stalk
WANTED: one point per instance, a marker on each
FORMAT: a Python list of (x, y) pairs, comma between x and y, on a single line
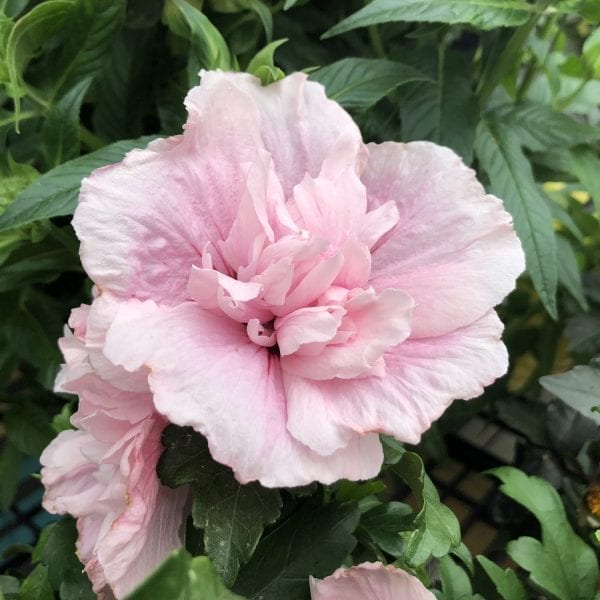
[(90, 140)]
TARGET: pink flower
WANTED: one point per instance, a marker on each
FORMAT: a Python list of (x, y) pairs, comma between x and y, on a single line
[(369, 581), (292, 291), (104, 473)]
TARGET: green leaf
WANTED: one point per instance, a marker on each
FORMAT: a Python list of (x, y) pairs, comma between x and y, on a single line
[(19, 176), (579, 388), (506, 581), (262, 65), (384, 523), (60, 131), (90, 28), (484, 14), (313, 541), (586, 167), (11, 459), (540, 128), (9, 588), (511, 178), (259, 8), (562, 564), (568, 271), (36, 586), (353, 491), (181, 577), (208, 49), (55, 193), (436, 529), (443, 111), (583, 333), (233, 516), (27, 427), (361, 82), (56, 550), (455, 582), (30, 32)]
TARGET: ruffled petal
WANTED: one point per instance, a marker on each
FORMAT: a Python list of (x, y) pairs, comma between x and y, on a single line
[(454, 249), (206, 373), (423, 376)]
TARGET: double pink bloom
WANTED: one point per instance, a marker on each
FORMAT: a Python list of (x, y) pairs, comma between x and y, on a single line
[(281, 287)]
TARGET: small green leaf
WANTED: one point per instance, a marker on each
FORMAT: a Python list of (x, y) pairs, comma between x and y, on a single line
[(485, 14), (181, 577), (568, 271), (233, 516), (455, 582), (313, 541), (361, 82), (36, 586), (561, 563), (511, 178), (262, 65), (55, 193), (506, 581), (579, 388), (436, 529)]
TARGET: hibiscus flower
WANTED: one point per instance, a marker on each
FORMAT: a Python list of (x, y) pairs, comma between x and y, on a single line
[(291, 292), (104, 473)]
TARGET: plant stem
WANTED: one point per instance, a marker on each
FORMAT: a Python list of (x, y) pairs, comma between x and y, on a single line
[(89, 139), (24, 116), (376, 42)]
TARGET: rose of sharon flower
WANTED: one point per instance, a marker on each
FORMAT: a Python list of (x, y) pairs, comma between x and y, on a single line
[(104, 473), (369, 581), (292, 291)]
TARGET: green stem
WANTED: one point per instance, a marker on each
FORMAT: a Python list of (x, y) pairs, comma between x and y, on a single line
[(24, 116), (376, 42), (90, 140)]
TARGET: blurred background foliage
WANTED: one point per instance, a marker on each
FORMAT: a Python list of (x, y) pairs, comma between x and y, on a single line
[(513, 87)]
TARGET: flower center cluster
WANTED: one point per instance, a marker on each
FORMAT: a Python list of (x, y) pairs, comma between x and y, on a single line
[(296, 273)]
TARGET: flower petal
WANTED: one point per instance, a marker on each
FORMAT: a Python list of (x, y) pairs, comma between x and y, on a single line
[(422, 378), (454, 249), (206, 373)]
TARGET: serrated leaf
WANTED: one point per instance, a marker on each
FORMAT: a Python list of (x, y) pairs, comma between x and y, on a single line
[(36, 585), (506, 581), (55, 193), (384, 523), (233, 516), (562, 564), (313, 541), (60, 131), (579, 388), (361, 82), (90, 28), (540, 128), (443, 110), (484, 14), (511, 179), (436, 529), (181, 577)]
